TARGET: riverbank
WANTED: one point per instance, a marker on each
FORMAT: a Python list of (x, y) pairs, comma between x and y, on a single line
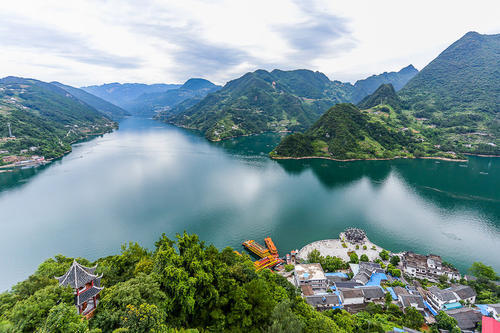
[(366, 159)]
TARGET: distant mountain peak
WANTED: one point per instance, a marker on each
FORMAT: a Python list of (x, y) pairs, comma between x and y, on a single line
[(197, 83), (408, 69)]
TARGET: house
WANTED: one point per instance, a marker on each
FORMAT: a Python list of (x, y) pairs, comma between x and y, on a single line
[(311, 275), (323, 302), (352, 296), (365, 270), (440, 297), (465, 293), (346, 285), (415, 301), (372, 293), (467, 318), (400, 291), (428, 267), (494, 309)]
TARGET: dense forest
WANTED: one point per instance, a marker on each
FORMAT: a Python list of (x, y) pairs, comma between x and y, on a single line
[(345, 132), (45, 118), (186, 285)]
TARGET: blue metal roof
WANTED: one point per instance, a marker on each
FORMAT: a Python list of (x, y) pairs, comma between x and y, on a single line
[(483, 308), (375, 279), (393, 294), (340, 274), (454, 305), (430, 308)]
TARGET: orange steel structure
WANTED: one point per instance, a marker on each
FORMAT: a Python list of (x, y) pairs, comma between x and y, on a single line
[(270, 245), (256, 248)]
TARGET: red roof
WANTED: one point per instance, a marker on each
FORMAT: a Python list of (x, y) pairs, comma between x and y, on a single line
[(490, 325)]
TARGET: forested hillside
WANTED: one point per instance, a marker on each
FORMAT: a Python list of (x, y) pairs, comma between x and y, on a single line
[(112, 111), (396, 79), (44, 119), (459, 94), (344, 132)]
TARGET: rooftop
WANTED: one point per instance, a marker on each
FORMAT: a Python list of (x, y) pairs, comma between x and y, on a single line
[(317, 300), (352, 293), (466, 318), (77, 276), (305, 272)]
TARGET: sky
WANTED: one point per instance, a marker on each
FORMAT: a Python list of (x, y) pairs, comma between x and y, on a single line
[(94, 42)]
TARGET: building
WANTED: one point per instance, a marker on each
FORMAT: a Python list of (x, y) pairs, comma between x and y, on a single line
[(415, 301), (372, 294), (427, 267), (467, 318), (494, 310), (444, 298), (323, 302), (352, 296), (346, 285), (311, 275), (364, 271), (86, 284)]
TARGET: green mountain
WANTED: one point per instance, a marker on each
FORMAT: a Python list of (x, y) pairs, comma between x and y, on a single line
[(111, 110), (124, 94), (397, 79), (459, 94), (385, 94), (263, 101), (44, 119), (345, 132), (151, 103)]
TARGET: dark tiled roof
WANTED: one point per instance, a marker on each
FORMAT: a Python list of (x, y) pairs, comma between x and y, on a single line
[(466, 318), (87, 294), (318, 300), (408, 300), (444, 295), (464, 291), (77, 276), (372, 292), (347, 284), (352, 293), (400, 291)]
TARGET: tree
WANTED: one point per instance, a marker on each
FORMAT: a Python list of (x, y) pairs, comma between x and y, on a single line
[(388, 299), (283, 320), (63, 318), (364, 258), (314, 256), (445, 322), (412, 318), (289, 268), (395, 260), (144, 318), (353, 258), (384, 255), (480, 270)]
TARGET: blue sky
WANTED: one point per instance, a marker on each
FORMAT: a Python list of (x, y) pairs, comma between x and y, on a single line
[(93, 42)]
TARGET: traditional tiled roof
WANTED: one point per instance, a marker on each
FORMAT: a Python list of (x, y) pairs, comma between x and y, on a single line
[(318, 300), (87, 294), (444, 295), (466, 318), (411, 300), (399, 291), (347, 284), (352, 293), (372, 292), (464, 291), (77, 276)]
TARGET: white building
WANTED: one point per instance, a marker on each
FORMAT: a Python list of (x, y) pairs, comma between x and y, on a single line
[(494, 309), (311, 275)]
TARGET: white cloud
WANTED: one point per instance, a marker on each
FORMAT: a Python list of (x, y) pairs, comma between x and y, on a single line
[(89, 42)]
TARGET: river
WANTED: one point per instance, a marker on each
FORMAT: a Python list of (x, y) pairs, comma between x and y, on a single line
[(150, 178)]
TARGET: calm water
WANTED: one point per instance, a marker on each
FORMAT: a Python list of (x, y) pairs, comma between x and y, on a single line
[(148, 178)]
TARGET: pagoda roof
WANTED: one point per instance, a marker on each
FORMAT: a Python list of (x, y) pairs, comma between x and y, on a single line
[(77, 276), (87, 294)]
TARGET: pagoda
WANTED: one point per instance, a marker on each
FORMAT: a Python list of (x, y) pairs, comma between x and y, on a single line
[(87, 287)]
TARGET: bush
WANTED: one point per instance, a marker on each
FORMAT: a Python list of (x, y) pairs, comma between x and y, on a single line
[(344, 245), (384, 255), (289, 268), (364, 247), (357, 247), (373, 247), (354, 258), (364, 258)]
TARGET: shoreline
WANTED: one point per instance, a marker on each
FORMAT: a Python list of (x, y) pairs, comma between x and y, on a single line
[(13, 167), (366, 159)]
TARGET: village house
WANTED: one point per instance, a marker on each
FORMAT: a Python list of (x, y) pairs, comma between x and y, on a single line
[(467, 318), (323, 302), (352, 296), (427, 267), (415, 301), (311, 275), (372, 293), (450, 297), (364, 271)]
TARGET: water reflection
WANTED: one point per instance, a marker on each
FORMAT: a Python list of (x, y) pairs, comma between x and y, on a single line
[(149, 178)]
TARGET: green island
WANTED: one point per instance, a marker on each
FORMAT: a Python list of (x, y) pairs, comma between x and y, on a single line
[(184, 285), (39, 121)]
